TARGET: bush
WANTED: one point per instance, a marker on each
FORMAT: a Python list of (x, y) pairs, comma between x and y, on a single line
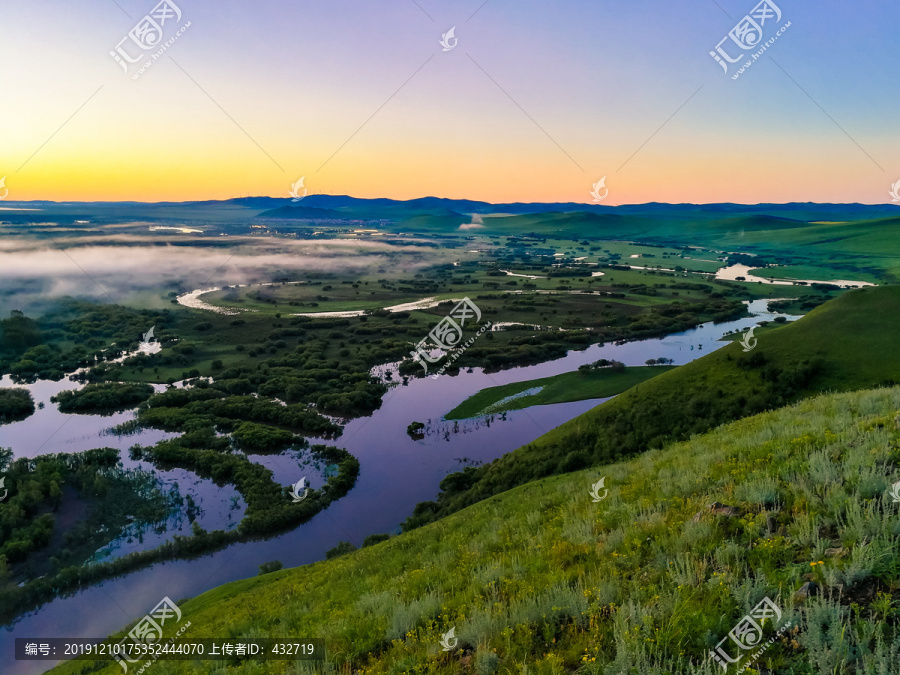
[(271, 566), (486, 663), (373, 539), (342, 548), (103, 397), (15, 404)]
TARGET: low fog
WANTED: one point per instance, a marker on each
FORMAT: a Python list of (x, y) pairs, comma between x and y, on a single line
[(31, 271)]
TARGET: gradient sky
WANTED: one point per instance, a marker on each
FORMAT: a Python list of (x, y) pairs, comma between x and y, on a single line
[(536, 102)]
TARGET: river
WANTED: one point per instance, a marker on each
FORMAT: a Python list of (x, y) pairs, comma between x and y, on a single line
[(396, 472)]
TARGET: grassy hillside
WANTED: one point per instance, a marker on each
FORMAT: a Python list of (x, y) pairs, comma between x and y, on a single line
[(847, 343), (574, 386), (542, 579)]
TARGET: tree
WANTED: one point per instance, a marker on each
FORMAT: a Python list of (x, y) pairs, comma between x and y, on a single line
[(342, 548), (15, 404), (271, 566)]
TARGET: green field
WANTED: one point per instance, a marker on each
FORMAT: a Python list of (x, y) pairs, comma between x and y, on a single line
[(816, 272), (645, 581), (562, 388)]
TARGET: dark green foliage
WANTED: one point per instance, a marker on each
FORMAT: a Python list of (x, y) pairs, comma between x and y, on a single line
[(252, 437), (105, 397), (15, 404), (36, 489), (461, 480), (31, 349), (18, 332), (271, 566), (546, 345), (342, 548), (373, 539), (191, 408)]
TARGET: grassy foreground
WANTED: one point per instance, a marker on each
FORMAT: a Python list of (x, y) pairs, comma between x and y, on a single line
[(543, 578), (562, 388)]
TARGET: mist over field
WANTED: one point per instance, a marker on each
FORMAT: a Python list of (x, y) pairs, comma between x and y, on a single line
[(31, 270)]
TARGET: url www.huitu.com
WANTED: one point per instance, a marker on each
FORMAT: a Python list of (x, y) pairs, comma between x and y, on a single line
[(153, 57), (765, 46)]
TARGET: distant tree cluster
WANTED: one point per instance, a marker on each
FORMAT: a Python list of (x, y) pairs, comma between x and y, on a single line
[(613, 366)]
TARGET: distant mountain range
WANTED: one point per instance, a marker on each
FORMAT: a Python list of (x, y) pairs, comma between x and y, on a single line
[(440, 206), (438, 216), (342, 205)]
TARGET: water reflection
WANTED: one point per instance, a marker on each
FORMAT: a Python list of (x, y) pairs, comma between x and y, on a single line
[(396, 472)]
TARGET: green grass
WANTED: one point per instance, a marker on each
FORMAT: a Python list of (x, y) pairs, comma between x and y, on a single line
[(562, 388), (548, 580), (339, 295), (822, 273)]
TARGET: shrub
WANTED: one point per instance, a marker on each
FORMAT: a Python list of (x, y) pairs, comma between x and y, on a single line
[(342, 548), (486, 663), (271, 566), (373, 539)]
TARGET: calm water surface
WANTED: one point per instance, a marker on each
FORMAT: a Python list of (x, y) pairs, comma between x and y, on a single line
[(396, 472)]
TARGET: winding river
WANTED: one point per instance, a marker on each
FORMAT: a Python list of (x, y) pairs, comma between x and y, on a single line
[(396, 472)]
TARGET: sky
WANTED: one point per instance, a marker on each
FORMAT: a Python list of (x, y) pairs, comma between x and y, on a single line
[(530, 101)]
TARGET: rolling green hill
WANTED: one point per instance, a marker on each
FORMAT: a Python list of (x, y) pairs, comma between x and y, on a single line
[(845, 344), (544, 579)]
